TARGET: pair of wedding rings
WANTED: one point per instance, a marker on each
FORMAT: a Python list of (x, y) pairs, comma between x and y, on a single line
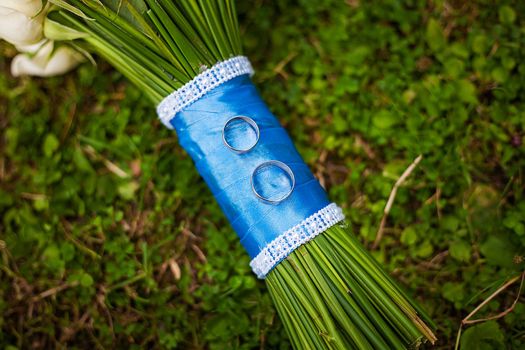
[(259, 171)]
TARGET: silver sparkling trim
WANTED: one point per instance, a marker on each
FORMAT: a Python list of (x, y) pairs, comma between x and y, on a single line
[(200, 85), (282, 246)]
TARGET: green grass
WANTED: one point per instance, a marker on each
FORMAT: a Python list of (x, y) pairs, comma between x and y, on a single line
[(367, 87)]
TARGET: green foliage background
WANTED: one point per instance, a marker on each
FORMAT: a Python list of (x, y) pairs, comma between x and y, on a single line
[(100, 208)]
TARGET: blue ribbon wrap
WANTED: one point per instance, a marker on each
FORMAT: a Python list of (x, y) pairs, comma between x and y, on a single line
[(228, 174)]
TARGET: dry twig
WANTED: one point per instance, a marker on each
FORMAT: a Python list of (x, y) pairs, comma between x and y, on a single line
[(510, 282), (467, 320), (279, 69), (392, 197), (54, 291)]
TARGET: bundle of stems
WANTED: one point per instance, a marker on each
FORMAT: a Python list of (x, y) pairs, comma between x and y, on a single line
[(330, 293)]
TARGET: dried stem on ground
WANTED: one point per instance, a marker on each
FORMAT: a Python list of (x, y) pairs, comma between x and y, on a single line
[(467, 320), (392, 197)]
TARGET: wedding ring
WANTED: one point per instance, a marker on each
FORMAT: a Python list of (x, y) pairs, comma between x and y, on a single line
[(230, 134), (258, 182)]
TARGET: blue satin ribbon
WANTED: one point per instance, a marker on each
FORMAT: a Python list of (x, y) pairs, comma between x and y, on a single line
[(228, 174)]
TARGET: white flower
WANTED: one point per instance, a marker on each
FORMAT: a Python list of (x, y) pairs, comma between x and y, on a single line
[(22, 24), (21, 21), (46, 61), (27, 7)]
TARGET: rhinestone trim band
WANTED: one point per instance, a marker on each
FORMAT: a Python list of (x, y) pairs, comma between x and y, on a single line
[(200, 85), (282, 246)]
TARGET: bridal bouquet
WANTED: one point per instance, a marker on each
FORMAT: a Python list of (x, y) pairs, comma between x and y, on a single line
[(186, 57)]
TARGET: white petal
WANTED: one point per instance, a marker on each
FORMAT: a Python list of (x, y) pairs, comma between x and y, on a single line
[(43, 65), (27, 7), (20, 29), (33, 48)]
